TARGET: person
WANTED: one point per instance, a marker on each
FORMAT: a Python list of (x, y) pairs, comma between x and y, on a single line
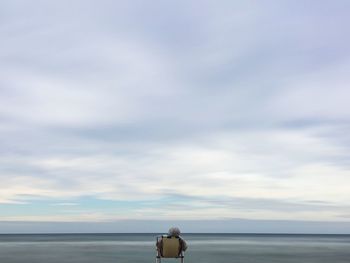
[(173, 232)]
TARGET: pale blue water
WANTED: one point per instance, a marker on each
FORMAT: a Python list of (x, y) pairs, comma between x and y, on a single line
[(203, 248)]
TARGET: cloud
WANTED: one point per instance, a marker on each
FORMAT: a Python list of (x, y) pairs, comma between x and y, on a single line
[(219, 176), (223, 111)]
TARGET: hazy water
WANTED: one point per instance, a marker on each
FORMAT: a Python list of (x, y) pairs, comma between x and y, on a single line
[(203, 248)]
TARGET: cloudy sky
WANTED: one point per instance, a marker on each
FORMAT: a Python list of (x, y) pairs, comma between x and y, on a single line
[(174, 110)]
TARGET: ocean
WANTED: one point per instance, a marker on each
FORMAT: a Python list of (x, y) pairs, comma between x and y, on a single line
[(203, 248)]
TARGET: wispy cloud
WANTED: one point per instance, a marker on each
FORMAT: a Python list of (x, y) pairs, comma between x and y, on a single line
[(186, 109)]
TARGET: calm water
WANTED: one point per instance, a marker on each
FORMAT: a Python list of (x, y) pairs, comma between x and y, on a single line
[(203, 248)]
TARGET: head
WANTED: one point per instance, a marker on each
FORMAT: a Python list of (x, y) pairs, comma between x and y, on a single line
[(174, 232)]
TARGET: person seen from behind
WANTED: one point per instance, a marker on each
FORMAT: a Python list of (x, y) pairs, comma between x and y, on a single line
[(173, 232)]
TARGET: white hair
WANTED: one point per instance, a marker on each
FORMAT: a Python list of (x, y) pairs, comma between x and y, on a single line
[(174, 231)]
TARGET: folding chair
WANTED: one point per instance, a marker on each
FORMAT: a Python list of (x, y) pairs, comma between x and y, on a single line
[(170, 247)]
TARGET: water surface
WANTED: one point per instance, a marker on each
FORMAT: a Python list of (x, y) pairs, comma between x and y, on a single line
[(203, 248)]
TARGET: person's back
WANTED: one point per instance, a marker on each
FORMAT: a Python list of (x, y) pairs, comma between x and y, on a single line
[(173, 233)]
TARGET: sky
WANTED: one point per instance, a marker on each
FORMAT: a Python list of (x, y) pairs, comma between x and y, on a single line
[(209, 115)]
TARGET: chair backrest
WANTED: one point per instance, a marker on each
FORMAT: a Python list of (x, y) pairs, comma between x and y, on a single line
[(171, 247)]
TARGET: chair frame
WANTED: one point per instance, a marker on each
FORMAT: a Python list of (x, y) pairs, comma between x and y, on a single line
[(159, 257)]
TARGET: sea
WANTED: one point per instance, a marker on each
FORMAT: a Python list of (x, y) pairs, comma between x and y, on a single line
[(202, 248)]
